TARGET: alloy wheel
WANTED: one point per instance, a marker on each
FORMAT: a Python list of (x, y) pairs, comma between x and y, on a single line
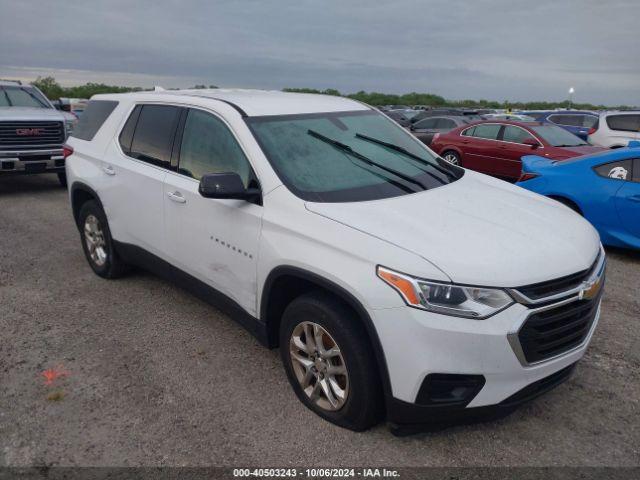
[(452, 158), (319, 366), (95, 241)]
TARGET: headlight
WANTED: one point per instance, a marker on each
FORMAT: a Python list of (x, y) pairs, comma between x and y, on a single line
[(68, 125), (447, 298)]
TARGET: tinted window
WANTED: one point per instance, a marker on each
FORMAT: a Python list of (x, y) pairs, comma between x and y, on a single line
[(515, 134), (153, 137), (126, 136), (617, 170), (469, 132), (446, 123), (428, 123), (589, 121), (636, 170), (626, 123), (489, 131), (567, 120), (209, 147), (94, 116)]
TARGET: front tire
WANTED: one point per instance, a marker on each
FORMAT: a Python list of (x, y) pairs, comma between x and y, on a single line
[(97, 242), (330, 362), (452, 157)]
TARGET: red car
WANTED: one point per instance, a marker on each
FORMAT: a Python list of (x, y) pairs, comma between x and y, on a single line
[(496, 147)]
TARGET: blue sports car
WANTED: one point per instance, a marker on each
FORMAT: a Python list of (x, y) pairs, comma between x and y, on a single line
[(603, 187)]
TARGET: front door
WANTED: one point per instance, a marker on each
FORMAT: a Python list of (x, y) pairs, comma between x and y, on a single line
[(512, 149), (214, 240)]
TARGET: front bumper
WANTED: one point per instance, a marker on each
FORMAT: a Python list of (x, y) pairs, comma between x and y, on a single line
[(418, 343), (32, 161)]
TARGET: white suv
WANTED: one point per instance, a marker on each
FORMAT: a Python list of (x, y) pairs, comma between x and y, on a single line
[(394, 283), (615, 129)]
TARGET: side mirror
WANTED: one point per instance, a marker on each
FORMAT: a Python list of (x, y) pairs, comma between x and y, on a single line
[(226, 186), (532, 142)]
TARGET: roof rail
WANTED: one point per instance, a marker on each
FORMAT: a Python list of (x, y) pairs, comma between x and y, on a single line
[(10, 80)]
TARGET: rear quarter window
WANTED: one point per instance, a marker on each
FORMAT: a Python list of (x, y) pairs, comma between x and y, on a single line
[(625, 123), (93, 118)]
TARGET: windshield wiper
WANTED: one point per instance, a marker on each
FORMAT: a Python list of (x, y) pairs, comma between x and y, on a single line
[(33, 96), (406, 152), (346, 148)]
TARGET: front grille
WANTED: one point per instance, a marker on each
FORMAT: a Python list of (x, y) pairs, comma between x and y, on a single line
[(549, 333), (549, 288), (29, 135)]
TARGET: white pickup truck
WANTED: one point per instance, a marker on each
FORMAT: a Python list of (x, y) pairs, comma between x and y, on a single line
[(32, 132)]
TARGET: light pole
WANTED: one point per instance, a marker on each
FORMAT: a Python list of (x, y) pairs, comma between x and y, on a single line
[(571, 92)]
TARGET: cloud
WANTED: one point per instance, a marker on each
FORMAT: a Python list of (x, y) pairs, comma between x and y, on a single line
[(516, 50)]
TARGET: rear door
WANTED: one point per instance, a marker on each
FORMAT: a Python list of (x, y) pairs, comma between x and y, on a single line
[(512, 149), (134, 172), (628, 200), (425, 129), (214, 240), (480, 148)]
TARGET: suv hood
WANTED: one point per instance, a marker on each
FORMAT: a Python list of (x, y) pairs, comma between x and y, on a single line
[(478, 231), (30, 113)]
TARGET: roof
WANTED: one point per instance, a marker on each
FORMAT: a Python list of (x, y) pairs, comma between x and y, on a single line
[(264, 102)]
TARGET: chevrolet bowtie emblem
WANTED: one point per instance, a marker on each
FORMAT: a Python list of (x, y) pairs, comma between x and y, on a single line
[(590, 289)]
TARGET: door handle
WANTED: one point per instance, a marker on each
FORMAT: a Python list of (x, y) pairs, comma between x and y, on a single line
[(176, 197), (108, 169)]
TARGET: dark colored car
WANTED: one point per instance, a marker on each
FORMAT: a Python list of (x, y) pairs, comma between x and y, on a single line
[(425, 129), (575, 121), (496, 147), (399, 117), (448, 112)]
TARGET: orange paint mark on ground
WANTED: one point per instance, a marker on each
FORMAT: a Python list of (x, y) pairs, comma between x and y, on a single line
[(52, 374)]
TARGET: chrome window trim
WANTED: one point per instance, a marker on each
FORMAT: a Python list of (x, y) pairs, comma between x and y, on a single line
[(541, 145)]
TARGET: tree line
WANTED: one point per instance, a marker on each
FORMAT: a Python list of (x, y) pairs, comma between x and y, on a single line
[(53, 90)]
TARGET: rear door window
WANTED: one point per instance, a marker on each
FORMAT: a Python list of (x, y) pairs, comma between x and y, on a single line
[(93, 118), (445, 123), (625, 123), (428, 123), (154, 133), (636, 170), (489, 131)]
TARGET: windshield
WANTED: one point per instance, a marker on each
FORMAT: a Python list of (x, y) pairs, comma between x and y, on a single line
[(558, 136), (348, 156), (22, 97)]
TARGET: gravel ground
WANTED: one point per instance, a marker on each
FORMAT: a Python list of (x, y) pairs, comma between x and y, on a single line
[(153, 376)]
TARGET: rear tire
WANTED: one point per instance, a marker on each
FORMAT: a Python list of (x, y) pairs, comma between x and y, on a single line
[(97, 242), (62, 178), (337, 342), (568, 203), (452, 157)]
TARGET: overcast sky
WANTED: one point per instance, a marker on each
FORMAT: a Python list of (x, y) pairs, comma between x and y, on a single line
[(493, 49)]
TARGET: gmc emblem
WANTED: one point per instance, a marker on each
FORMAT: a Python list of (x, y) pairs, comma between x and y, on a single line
[(29, 132)]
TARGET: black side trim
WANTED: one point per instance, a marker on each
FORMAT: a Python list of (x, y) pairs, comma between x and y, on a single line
[(286, 270), (81, 187), (140, 257), (242, 113)]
